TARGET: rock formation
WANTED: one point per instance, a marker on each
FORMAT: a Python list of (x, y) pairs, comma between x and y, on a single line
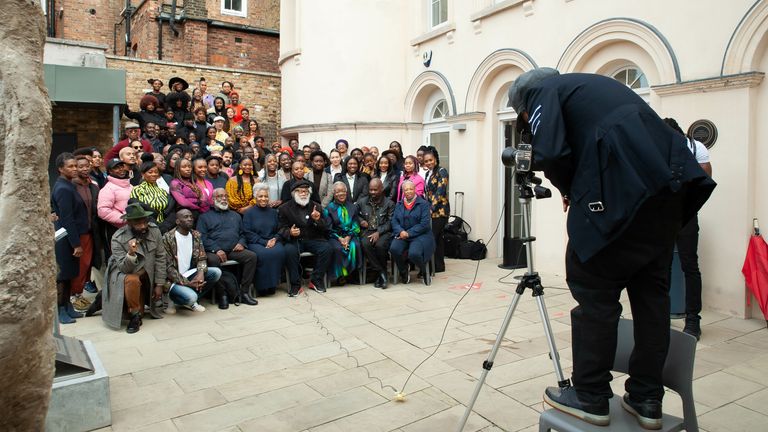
[(27, 265)]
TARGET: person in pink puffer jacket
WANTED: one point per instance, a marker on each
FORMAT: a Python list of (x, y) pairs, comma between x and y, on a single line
[(113, 197)]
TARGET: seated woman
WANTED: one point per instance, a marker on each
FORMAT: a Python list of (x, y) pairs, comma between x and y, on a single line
[(411, 172), (240, 187), (413, 236), (186, 190), (260, 227), (345, 234)]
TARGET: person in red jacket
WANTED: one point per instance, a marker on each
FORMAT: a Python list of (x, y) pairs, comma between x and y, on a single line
[(133, 133)]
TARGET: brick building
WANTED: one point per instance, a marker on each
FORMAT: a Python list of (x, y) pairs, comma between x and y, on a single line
[(232, 40), (241, 34)]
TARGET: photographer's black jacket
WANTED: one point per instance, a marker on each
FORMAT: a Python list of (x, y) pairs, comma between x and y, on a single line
[(608, 151)]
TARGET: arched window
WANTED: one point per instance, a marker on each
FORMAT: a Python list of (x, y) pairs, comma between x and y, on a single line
[(439, 110), (631, 77), (634, 78)]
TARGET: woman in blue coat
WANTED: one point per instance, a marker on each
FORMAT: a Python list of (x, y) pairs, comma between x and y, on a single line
[(260, 226), (413, 235), (72, 215)]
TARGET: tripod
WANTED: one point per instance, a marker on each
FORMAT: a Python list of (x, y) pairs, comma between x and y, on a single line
[(529, 187)]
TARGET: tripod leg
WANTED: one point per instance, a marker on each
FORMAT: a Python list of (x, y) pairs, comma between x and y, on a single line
[(562, 382), (488, 364)]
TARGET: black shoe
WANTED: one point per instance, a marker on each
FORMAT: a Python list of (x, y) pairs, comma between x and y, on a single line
[(693, 326), (384, 281), (246, 298), (318, 286), (271, 291), (647, 412), (135, 324), (405, 277), (567, 401), (294, 291), (95, 306), (223, 302)]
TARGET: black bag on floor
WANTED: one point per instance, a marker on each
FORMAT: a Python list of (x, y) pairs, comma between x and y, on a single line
[(474, 250), (454, 234)]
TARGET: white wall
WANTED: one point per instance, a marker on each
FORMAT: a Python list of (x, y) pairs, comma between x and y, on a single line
[(357, 66)]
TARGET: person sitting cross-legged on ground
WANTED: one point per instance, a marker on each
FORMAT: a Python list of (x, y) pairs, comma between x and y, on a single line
[(137, 266), (224, 239), (345, 234), (376, 220), (303, 229), (187, 268), (410, 225)]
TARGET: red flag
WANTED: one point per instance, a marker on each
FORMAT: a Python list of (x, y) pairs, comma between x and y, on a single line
[(755, 271)]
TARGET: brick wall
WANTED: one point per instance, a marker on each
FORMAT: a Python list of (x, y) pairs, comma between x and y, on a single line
[(261, 13), (254, 51), (93, 125), (77, 23), (260, 92)]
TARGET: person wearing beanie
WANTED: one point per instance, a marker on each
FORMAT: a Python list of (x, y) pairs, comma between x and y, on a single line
[(628, 183)]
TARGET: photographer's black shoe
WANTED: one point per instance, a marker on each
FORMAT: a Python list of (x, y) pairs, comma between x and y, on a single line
[(647, 412), (567, 401), (693, 326)]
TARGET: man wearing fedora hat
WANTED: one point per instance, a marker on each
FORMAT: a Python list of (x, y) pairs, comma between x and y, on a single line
[(132, 133), (137, 268), (304, 229)]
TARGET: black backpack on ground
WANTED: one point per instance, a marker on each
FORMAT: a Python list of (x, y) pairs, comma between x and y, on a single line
[(456, 232)]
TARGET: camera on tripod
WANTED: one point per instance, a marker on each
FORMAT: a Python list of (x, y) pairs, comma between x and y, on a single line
[(521, 159)]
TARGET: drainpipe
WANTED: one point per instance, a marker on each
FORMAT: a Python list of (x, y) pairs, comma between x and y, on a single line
[(159, 38), (172, 20), (52, 18), (127, 16)]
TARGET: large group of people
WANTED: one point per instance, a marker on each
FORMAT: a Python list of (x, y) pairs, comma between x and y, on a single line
[(192, 189)]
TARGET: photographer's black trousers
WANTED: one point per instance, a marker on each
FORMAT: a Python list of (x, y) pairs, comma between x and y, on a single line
[(687, 250), (639, 260)]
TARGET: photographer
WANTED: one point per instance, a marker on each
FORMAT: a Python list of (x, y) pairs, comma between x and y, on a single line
[(630, 183)]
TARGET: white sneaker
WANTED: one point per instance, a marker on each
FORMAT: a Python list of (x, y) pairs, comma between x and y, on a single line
[(170, 309), (197, 307)]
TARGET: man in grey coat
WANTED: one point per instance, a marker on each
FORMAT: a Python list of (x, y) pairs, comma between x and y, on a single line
[(137, 267)]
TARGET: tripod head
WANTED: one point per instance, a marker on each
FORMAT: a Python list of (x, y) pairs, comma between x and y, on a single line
[(530, 186)]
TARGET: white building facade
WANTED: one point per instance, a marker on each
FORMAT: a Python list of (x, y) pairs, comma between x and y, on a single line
[(437, 71)]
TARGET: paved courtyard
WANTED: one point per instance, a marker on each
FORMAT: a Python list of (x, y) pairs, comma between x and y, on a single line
[(274, 368)]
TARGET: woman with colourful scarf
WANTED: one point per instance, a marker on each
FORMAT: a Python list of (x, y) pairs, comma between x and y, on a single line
[(345, 234)]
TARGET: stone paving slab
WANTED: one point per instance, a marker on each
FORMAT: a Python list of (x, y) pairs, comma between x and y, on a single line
[(277, 366)]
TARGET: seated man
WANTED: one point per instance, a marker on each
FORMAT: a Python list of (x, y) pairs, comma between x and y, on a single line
[(137, 264), (303, 229), (187, 268), (376, 221), (222, 232)]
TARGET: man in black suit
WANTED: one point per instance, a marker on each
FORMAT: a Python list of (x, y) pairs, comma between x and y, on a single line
[(304, 229), (630, 183), (376, 221)]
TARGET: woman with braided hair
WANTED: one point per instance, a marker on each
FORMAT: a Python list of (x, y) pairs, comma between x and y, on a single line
[(240, 186), (187, 191)]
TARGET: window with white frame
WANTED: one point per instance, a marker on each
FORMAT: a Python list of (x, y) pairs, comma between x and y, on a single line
[(438, 12), (234, 7), (439, 110)]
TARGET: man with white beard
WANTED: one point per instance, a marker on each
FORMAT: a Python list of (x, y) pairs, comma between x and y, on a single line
[(304, 229), (223, 239)]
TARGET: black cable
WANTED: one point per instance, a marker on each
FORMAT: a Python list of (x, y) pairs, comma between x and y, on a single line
[(450, 317)]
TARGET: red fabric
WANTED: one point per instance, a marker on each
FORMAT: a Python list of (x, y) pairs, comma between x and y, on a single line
[(755, 271), (86, 242)]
